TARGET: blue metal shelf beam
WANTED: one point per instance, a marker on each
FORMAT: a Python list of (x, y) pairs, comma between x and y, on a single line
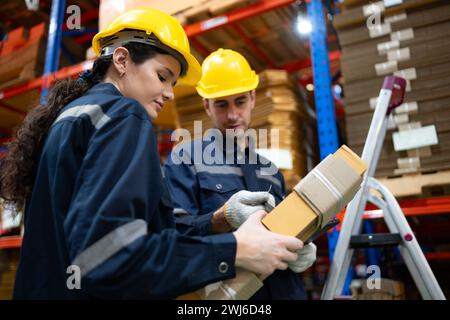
[(53, 43)]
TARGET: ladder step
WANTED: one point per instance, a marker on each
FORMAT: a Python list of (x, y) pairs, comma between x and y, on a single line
[(375, 240)]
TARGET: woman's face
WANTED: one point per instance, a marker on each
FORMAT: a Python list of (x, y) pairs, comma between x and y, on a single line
[(151, 82)]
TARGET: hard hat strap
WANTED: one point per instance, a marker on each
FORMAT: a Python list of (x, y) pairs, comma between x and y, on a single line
[(111, 43)]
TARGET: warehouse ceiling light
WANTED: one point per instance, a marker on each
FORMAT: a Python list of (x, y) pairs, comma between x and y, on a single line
[(304, 26)]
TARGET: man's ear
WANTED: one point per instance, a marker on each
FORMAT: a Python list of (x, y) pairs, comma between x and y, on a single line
[(206, 106), (252, 99), (121, 58)]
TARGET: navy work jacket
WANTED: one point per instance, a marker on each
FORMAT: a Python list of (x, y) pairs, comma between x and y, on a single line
[(99, 222)]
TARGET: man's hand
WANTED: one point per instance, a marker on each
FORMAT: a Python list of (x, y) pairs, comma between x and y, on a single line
[(244, 203), (219, 223), (306, 258)]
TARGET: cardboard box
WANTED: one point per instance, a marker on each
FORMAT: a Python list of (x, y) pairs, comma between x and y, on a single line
[(388, 290), (241, 287), (344, 169), (311, 205)]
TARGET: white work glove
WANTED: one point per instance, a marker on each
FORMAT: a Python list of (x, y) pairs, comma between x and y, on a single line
[(306, 258), (244, 203)]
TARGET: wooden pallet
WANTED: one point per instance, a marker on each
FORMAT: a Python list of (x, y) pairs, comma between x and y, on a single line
[(418, 184)]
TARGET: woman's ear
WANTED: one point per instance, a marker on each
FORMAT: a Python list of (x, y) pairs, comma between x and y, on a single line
[(121, 58)]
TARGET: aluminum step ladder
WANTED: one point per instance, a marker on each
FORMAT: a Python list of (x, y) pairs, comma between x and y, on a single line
[(401, 235)]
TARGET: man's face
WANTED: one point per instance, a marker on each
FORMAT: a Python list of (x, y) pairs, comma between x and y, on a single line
[(231, 112)]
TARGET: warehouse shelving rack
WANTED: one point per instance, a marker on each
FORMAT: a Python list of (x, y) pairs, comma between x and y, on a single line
[(319, 61), (54, 44)]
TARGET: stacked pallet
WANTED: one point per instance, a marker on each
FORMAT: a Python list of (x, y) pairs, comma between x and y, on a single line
[(266, 32), (8, 266), (386, 289), (206, 9), (411, 40), (277, 107)]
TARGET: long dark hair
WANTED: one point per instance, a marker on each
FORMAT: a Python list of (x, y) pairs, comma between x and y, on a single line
[(17, 172)]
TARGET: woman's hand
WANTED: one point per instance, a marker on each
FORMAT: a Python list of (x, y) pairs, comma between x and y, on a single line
[(262, 251)]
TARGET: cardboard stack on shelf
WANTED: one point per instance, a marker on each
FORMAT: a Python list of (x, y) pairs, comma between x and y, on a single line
[(410, 39), (277, 107), (187, 12), (377, 289), (22, 55), (205, 9)]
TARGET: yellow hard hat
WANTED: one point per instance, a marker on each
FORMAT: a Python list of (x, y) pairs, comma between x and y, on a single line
[(224, 73), (156, 28)]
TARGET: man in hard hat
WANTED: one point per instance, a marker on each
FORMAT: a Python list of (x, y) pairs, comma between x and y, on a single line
[(197, 187)]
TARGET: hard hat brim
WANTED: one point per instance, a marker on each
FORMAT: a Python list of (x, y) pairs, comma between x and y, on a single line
[(229, 92)]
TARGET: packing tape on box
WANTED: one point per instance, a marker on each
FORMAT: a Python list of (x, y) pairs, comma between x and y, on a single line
[(373, 102), (396, 18), (385, 68), (384, 47), (401, 118), (399, 54), (408, 163), (403, 35), (407, 107), (423, 152), (410, 126), (408, 74), (324, 188)]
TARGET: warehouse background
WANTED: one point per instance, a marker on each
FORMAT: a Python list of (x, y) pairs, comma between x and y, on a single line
[(413, 41)]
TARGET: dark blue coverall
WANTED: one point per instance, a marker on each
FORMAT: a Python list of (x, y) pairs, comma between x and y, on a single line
[(199, 187), (99, 203)]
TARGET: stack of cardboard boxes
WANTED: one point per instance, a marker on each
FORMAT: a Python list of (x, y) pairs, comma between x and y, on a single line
[(410, 39), (22, 54), (277, 107)]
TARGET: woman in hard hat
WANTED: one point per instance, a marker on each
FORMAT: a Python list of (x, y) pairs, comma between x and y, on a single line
[(98, 221)]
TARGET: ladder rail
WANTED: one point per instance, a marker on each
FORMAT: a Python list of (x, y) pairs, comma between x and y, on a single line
[(411, 245), (405, 253), (391, 95), (353, 216)]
